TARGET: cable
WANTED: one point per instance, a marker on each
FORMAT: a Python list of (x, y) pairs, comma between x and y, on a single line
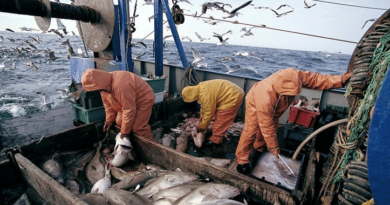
[(276, 29), (365, 7), (315, 134)]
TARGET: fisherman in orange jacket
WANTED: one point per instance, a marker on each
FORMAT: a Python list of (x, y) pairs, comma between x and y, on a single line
[(219, 98), (267, 100), (127, 99)]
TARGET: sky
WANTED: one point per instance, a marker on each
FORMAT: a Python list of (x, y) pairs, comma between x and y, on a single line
[(323, 19)]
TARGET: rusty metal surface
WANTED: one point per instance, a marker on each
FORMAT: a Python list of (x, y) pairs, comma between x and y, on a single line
[(98, 36), (44, 21), (46, 187)]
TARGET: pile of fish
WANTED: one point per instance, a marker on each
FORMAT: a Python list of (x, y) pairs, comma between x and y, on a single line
[(178, 138), (310, 106), (94, 180)]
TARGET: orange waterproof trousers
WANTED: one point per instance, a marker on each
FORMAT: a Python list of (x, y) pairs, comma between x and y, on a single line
[(251, 129), (222, 122), (141, 119)]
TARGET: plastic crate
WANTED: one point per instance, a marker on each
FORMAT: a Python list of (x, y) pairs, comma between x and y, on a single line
[(158, 85), (90, 100), (88, 115), (302, 117), (159, 97), (341, 112), (299, 133)]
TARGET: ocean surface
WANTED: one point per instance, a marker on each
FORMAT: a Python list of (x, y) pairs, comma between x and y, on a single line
[(19, 87)]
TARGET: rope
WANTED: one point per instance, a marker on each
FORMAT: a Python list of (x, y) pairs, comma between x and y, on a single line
[(350, 5), (360, 122), (275, 29), (189, 78)]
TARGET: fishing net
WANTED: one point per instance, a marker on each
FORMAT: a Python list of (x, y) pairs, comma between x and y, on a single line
[(360, 122)]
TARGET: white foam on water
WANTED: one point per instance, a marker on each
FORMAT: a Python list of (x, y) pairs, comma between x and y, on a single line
[(14, 110)]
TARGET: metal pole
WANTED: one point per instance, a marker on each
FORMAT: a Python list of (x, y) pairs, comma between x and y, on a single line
[(123, 31), (175, 34), (58, 10), (158, 38)]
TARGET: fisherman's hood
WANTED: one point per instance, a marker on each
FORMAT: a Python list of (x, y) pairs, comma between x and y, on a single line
[(93, 79), (287, 82), (190, 93)]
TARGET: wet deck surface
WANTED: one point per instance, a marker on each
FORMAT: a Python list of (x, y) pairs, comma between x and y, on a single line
[(18, 131)]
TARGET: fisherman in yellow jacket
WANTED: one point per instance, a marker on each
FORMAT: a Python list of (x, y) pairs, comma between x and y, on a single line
[(219, 98)]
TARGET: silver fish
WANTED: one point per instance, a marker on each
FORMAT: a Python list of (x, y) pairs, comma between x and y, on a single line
[(95, 169), (168, 141), (154, 167), (166, 181), (162, 202), (93, 199), (122, 197), (122, 175), (172, 194), (208, 192), (141, 179), (55, 170)]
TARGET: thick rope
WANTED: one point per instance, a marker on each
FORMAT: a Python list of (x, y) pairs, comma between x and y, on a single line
[(360, 122)]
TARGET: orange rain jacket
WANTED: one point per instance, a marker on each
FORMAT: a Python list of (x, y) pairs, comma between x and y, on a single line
[(268, 99), (213, 95), (129, 99)]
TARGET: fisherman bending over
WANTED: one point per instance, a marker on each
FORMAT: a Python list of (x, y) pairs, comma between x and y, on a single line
[(127, 99), (221, 98), (267, 100)]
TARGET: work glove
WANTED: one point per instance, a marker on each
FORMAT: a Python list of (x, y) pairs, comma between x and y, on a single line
[(125, 135), (107, 126), (199, 129), (275, 151), (243, 168), (345, 77)]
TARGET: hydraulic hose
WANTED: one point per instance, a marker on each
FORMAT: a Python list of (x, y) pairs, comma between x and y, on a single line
[(315, 133)]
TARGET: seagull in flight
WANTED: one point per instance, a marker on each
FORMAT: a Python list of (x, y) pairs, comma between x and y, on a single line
[(139, 56), (168, 36), (250, 54), (46, 99), (186, 37), (216, 34), (374, 19), (221, 40), (60, 26), (197, 58), (281, 14), (10, 30), (230, 69), (246, 32), (227, 58), (307, 5), (32, 65), (186, 1), (63, 92), (139, 42), (210, 22), (235, 12), (35, 39), (28, 29), (200, 37), (285, 5)]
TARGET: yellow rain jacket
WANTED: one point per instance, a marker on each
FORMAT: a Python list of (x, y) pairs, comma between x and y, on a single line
[(213, 95), (129, 99)]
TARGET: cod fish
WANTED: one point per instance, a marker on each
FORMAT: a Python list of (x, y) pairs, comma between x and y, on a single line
[(95, 169), (182, 142), (168, 141), (162, 202), (93, 199), (209, 192), (55, 170), (218, 162), (103, 184), (167, 181), (122, 175), (122, 197), (129, 181), (172, 194), (199, 139), (72, 186), (157, 134), (73, 168)]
